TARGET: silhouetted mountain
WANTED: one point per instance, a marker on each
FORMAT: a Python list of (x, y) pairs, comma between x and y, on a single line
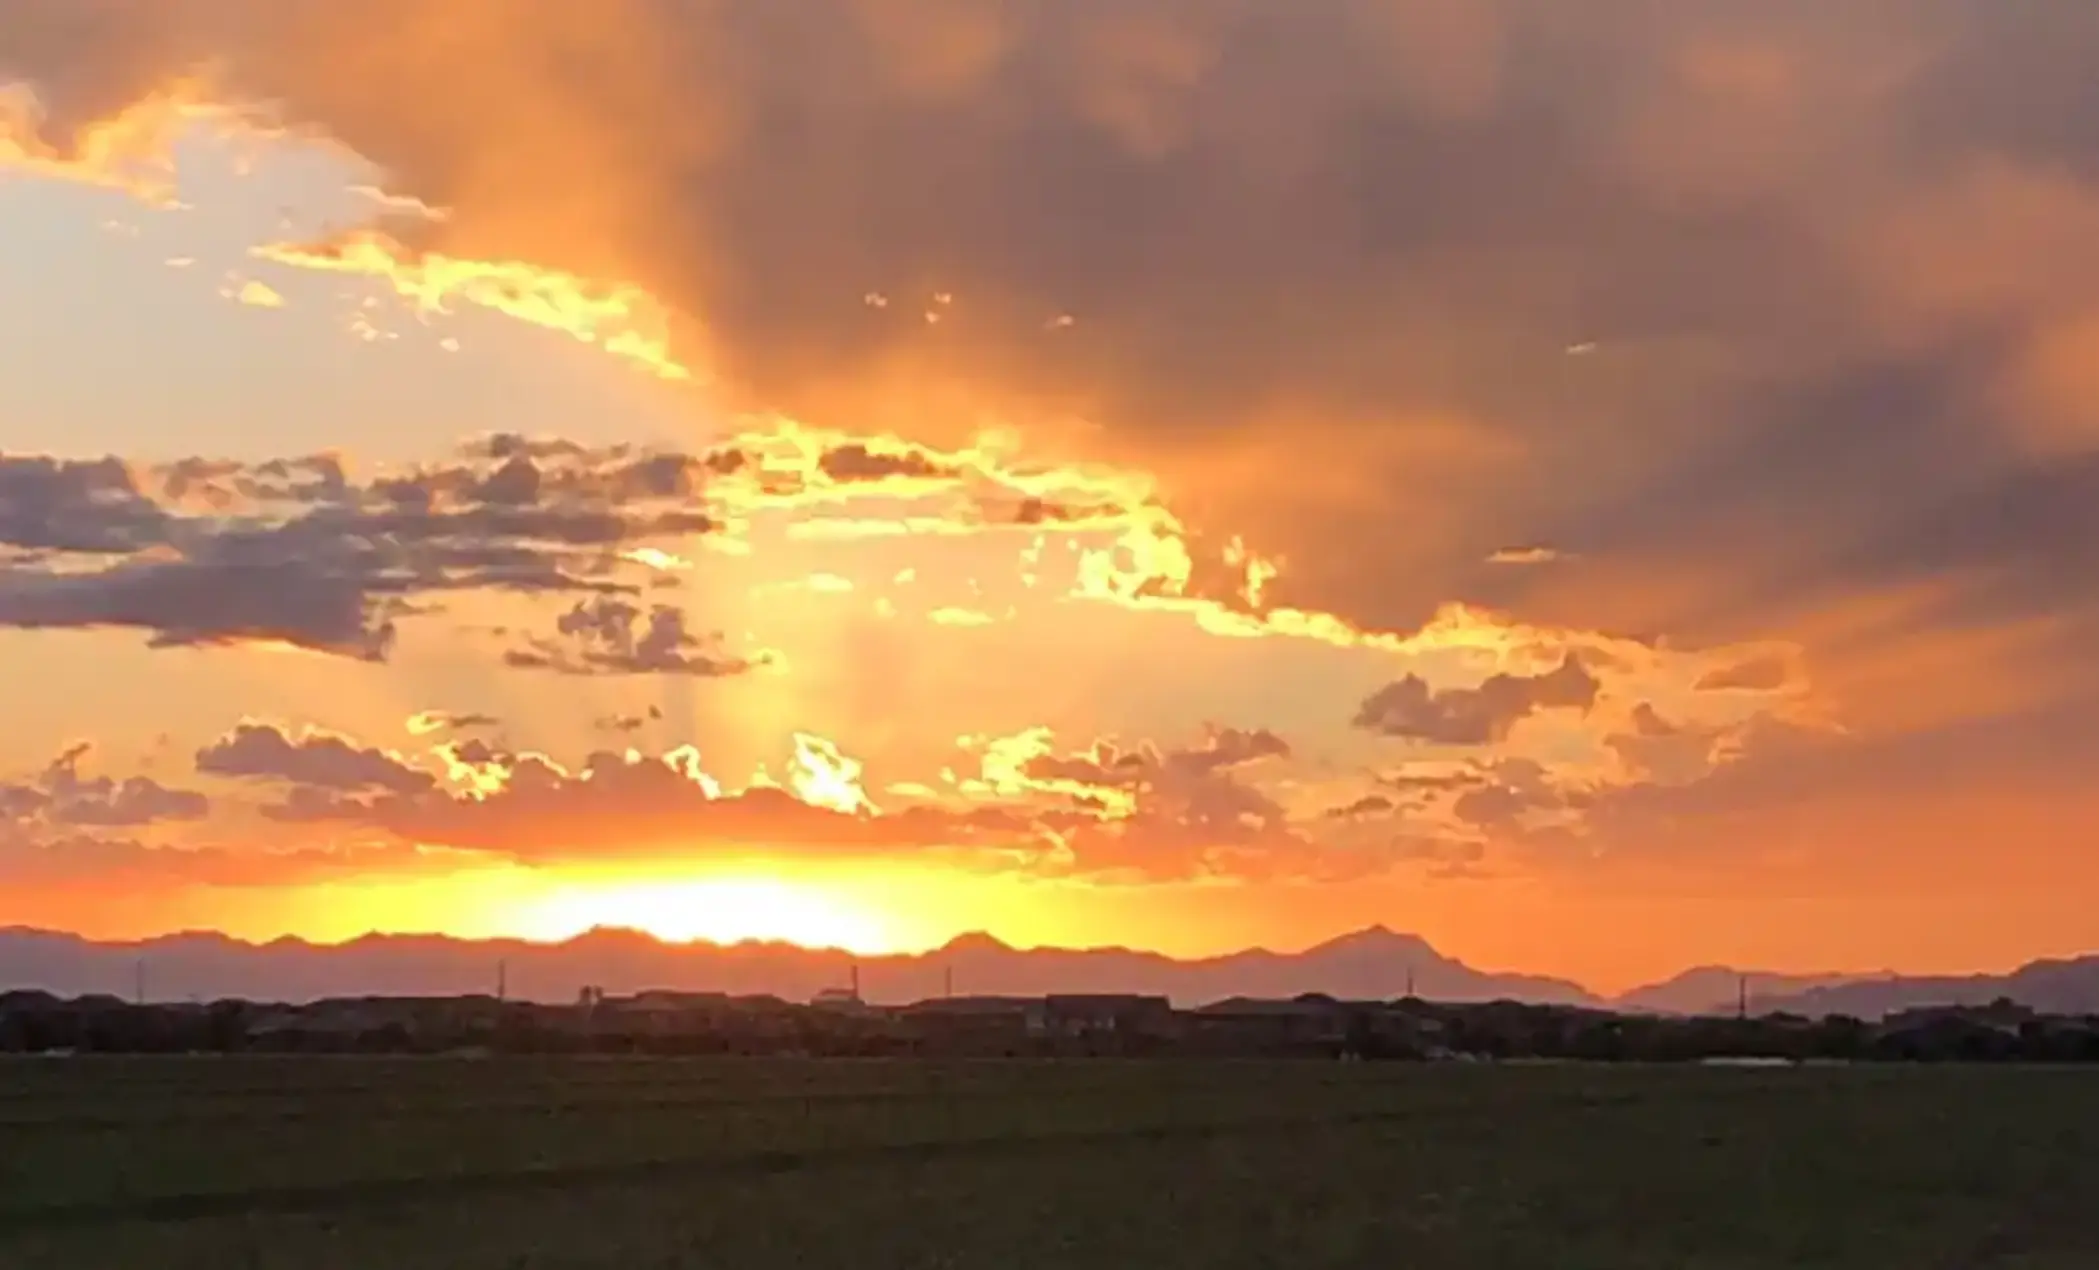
[(1369, 964), (2052, 987), (1375, 963), (1717, 990)]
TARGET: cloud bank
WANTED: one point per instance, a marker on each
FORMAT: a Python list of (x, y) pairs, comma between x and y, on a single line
[(1709, 381)]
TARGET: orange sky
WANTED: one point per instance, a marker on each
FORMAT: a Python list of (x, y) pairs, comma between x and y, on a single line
[(1190, 474)]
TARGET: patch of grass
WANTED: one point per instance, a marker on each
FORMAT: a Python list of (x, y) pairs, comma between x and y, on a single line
[(323, 1164)]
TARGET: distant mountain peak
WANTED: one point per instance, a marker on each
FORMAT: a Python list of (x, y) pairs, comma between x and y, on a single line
[(1379, 938), (1375, 963)]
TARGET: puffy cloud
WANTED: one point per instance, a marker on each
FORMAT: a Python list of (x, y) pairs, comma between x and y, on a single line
[(1109, 815), (1509, 791), (64, 828), (427, 722), (1483, 715), (1150, 813), (856, 462), (626, 723), (1199, 779), (322, 760), (1780, 338), (1759, 674), (201, 552), (61, 798), (114, 865), (1415, 233), (531, 808), (182, 603), (94, 508), (608, 636)]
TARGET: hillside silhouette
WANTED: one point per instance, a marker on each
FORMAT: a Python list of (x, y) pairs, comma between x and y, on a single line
[(1372, 964)]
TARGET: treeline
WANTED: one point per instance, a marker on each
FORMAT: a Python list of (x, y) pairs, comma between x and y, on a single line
[(1505, 1032), (1309, 1027)]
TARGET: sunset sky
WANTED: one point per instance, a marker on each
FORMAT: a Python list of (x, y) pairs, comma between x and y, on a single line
[(1607, 486)]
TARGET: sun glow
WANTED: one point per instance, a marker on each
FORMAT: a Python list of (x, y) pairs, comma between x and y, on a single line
[(716, 910)]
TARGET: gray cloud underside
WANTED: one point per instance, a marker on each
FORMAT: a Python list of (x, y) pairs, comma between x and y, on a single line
[(1194, 815), (609, 636), (202, 552), (1409, 709), (321, 760), (1749, 311), (103, 863), (61, 798), (1369, 212)]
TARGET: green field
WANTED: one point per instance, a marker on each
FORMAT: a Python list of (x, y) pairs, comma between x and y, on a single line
[(405, 1164)]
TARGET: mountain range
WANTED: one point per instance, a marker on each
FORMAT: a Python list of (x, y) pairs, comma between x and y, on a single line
[(1373, 963)]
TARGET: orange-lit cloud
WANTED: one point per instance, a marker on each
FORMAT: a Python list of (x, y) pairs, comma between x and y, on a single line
[(1569, 475)]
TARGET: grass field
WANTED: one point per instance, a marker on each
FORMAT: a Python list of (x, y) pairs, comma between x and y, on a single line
[(409, 1164)]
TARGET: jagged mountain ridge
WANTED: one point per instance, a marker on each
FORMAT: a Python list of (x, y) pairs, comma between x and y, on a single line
[(1373, 963), (2052, 986), (1718, 989)]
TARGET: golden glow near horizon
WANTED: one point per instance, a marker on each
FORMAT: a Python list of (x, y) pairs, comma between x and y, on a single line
[(834, 536), (716, 910)]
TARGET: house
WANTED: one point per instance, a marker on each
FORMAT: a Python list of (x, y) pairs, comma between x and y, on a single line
[(1027, 1015), (2003, 1015), (659, 999), (660, 1013), (1317, 1022), (333, 1024), (1264, 1025), (1108, 1014), (975, 1024), (842, 1000)]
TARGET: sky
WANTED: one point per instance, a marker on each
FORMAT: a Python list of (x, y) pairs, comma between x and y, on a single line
[(1609, 487)]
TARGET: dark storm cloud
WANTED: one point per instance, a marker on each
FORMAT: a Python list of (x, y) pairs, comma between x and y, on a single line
[(1368, 214), (1377, 216), (1751, 311)]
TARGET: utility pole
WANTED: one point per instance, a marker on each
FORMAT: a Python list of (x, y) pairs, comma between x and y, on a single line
[(1742, 997), (947, 985), (502, 981), (1410, 981), (856, 980)]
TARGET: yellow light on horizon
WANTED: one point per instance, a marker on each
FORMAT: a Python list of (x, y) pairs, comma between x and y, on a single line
[(715, 910)]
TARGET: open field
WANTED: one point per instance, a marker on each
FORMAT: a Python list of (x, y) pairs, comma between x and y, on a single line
[(336, 1163)]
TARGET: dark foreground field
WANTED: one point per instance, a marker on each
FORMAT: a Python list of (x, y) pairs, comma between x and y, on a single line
[(234, 1164)]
